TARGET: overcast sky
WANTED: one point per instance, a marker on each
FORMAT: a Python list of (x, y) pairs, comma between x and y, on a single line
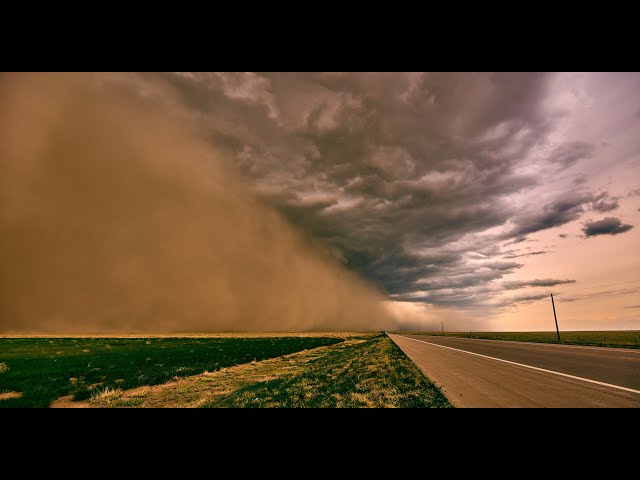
[(469, 196)]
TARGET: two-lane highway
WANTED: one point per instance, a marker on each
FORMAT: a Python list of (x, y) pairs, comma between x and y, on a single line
[(492, 373)]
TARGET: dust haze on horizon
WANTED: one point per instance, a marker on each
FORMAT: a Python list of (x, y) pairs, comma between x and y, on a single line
[(203, 202), (115, 218)]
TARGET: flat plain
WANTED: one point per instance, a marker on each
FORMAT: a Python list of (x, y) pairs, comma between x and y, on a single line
[(336, 370)]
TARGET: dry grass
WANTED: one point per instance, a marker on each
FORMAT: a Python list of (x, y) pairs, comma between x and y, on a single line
[(359, 372), (196, 390), (9, 395), (610, 338), (48, 369), (108, 394)]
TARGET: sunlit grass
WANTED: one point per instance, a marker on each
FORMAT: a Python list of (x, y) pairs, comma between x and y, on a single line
[(43, 369), (362, 371), (371, 373)]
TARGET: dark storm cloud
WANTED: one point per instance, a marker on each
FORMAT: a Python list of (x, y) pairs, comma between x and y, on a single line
[(397, 174), (114, 217), (606, 226), (482, 298), (553, 214), (480, 276)]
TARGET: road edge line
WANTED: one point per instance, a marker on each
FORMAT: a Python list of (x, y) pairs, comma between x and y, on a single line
[(529, 366)]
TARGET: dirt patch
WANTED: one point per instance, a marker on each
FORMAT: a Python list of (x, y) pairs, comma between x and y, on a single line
[(67, 402), (9, 395)]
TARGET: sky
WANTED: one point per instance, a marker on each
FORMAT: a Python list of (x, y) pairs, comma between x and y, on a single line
[(464, 198), (115, 217)]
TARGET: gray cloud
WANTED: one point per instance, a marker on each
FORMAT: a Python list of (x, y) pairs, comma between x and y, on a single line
[(600, 203), (516, 240), (569, 153), (563, 235), (603, 206), (540, 252), (606, 226), (488, 272), (581, 180), (602, 293), (116, 218), (520, 299), (560, 211), (398, 175), (548, 282), (483, 298)]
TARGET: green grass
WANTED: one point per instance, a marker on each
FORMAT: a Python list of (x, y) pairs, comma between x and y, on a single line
[(372, 372), (614, 338), (43, 369)]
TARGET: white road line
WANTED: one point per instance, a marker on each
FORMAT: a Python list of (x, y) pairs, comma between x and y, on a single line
[(529, 366), (539, 344)]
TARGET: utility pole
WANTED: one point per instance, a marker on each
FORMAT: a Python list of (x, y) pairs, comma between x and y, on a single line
[(555, 318), (442, 322)]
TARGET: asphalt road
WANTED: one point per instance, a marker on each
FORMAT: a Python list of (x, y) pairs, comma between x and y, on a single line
[(520, 374)]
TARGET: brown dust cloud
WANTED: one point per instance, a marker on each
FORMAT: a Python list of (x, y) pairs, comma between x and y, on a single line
[(115, 218)]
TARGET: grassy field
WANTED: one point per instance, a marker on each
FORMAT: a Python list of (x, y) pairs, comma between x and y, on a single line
[(43, 369), (614, 338), (362, 371)]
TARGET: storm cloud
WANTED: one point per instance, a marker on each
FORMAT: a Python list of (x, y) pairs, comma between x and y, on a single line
[(399, 175), (606, 226), (115, 218), (424, 184), (565, 209)]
